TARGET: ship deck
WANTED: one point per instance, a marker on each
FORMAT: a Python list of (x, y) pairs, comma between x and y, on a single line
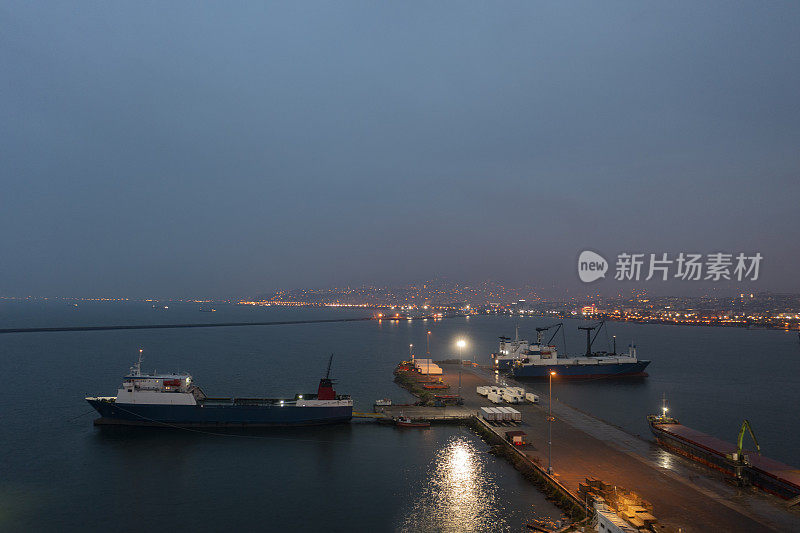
[(719, 447), (698, 438)]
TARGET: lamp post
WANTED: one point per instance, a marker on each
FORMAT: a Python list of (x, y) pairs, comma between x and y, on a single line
[(461, 343), (550, 426), (428, 344), (410, 352)]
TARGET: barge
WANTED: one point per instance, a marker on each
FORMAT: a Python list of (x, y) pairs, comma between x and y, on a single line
[(749, 468)]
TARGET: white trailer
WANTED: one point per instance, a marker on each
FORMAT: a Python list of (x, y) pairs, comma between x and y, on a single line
[(516, 416), (510, 397), (483, 390), (519, 391), (495, 398), (489, 413), (531, 397)]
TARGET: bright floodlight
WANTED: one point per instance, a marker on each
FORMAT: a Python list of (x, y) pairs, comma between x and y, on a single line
[(552, 372), (461, 343)]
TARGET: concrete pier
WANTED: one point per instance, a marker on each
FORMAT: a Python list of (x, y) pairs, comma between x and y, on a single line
[(684, 495)]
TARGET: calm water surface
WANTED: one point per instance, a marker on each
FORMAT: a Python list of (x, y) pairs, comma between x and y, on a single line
[(58, 471)]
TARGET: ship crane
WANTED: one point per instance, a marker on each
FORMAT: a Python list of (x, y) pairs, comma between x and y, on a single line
[(328, 373), (558, 326), (589, 338)]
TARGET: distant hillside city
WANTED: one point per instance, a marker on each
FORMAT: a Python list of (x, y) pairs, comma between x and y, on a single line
[(758, 309), (762, 309)]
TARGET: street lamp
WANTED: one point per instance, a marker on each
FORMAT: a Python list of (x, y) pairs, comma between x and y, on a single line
[(550, 425), (428, 344), (410, 352), (461, 343)]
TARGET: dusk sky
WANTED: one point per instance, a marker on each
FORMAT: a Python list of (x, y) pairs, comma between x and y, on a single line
[(225, 149)]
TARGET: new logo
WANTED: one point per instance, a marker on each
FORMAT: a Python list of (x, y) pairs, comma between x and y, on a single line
[(591, 266)]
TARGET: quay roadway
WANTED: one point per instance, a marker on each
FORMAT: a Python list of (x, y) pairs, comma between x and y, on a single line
[(684, 495)]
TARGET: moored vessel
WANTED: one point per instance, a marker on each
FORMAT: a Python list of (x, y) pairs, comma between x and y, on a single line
[(745, 468), (173, 400), (540, 362)]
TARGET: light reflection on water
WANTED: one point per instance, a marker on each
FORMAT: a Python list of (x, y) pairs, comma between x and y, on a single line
[(664, 459), (459, 494)]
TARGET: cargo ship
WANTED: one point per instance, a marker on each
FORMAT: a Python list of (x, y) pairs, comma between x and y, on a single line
[(744, 468), (173, 400), (542, 359)]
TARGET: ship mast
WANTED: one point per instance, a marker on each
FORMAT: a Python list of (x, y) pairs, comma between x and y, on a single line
[(136, 369)]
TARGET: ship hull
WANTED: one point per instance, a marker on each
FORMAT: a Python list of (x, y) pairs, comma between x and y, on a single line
[(768, 475), (505, 364), (218, 415), (582, 371)]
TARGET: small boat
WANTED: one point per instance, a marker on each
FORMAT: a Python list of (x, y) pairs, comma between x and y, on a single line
[(383, 402), (405, 422)]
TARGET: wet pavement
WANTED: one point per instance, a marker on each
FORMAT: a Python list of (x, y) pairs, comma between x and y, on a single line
[(684, 495)]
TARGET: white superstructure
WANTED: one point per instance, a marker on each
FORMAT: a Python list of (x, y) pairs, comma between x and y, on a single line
[(156, 389)]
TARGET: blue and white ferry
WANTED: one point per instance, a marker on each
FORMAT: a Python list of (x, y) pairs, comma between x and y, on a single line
[(170, 400)]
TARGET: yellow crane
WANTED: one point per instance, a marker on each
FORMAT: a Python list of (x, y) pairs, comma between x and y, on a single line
[(739, 457)]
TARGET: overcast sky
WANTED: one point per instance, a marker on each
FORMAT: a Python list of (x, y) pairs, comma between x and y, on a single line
[(218, 148)]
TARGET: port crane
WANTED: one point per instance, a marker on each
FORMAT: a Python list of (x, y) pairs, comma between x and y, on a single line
[(739, 459), (739, 455)]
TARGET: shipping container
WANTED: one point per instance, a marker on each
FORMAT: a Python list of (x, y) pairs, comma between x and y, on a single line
[(495, 398), (506, 415), (511, 397), (531, 397)]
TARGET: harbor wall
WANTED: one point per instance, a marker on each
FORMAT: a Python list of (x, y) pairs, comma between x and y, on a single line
[(549, 485)]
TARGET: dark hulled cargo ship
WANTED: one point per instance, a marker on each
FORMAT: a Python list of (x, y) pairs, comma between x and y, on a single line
[(174, 400), (767, 474), (537, 361)]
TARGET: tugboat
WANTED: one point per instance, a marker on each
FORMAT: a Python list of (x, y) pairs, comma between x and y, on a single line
[(172, 400), (406, 422)]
